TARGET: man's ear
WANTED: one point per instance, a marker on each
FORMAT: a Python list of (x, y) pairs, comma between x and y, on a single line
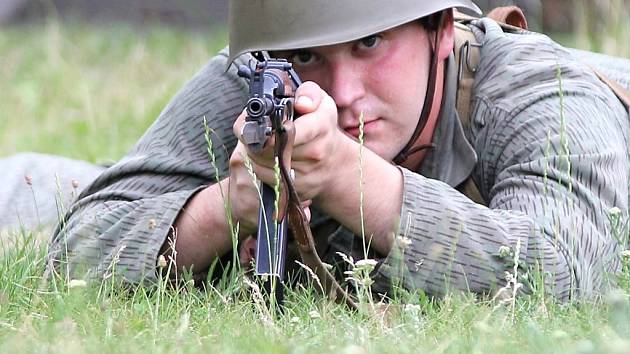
[(447, 36)]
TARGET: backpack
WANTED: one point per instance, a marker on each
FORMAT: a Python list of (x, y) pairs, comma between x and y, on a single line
[(512, 20)]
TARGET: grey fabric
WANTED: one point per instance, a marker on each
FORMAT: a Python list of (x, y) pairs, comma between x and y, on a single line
[(35, 189), (617, 69), (550, 182), (125, 216)]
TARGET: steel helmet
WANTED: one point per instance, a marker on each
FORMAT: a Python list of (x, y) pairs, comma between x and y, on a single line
[(257, 25)]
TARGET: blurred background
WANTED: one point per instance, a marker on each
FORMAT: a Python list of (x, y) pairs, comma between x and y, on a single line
[(189, 13), (556, 16), (549, 16), (85, 78)]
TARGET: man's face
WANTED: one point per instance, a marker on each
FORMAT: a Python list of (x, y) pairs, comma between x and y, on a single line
[(382, 77)]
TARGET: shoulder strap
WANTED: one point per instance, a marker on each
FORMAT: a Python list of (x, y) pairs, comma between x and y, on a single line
[(467, 59), (511, 19)]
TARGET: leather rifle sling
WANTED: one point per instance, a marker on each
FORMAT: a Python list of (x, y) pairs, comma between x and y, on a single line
[(299, 225)]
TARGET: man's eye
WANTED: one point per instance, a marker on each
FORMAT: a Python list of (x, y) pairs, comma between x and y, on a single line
[(302, 58), (370, 41)]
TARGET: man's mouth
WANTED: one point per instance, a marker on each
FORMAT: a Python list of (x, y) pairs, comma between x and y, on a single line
[(368, 127)]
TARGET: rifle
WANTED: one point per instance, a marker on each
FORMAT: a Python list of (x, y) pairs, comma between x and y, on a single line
[(272, 84)]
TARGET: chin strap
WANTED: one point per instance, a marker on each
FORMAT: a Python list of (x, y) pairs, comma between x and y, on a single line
[(409, 148)]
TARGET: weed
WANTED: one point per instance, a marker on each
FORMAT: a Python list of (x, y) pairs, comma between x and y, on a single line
[(233, 228)]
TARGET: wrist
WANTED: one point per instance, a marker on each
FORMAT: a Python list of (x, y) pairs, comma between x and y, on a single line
[(343, 172), (201, 230), (235, 212), (368, 189)]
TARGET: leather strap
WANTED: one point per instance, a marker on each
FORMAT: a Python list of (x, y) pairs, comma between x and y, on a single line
[(301, 230), (427, 107), (467, 57), (622, 93), (511, 18)]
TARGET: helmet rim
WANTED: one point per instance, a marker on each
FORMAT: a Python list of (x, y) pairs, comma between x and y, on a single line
[(268, 25)]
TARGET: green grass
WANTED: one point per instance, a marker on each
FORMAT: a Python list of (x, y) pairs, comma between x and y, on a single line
[(89, 93), (94, 87), (39, 317)]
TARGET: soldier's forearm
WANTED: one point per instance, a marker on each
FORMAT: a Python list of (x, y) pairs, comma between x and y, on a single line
[(201, 231), (382, 188)]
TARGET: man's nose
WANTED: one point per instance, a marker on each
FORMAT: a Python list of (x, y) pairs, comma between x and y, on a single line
[(346, 83)]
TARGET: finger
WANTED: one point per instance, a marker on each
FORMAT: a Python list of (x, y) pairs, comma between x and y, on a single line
[(289, 128), (238, 155), (237, 128), (240, 159), (261, 162), (308, 97), (242, 153), (265, 174), (306, 203), (307, 154), (247, 252)]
